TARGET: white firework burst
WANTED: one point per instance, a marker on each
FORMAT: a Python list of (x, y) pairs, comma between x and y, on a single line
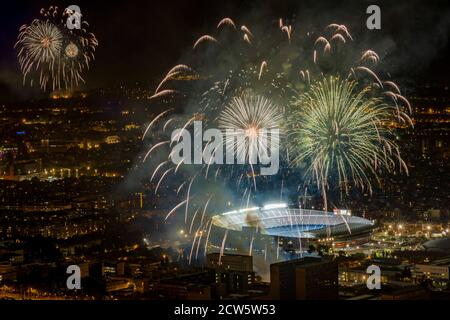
[(40, 45), (249, 118)]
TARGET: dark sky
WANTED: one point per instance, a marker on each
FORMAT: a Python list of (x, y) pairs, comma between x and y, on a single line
[(140, 40)]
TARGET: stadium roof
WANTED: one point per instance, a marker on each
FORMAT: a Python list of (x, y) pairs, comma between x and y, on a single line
[(278, 220)]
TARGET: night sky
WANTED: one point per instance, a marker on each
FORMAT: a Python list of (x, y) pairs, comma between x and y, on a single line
[(141, 40)]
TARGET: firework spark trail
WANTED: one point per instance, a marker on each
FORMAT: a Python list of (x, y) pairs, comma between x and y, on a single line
[(167, 123), (222, 247), (338, 28), (178, 136), (193, 219), (371, 56), (246, 31), (174, 72), (302, 73), (338, 36), (199, 242), (261, 69), (251, 245), (159, 144), (161, 179), (225, 86), (180, 68), (322, 40), (192, 248), (154, 120), (393, 85), (344, 28), (306, 193), (217, 172), (244, 197), (288, 30), (211, 159), (204, 38), (332, 25), (247, 39), (346, 224), (265, 252), (193, 243), (181, 186), (168, 77), (187, 199), (207, 237), (157, 168), (393, 96), (175, 208), (405, 101), (253, 176), (371, 73), (245, 192), (162, 93), (226, 21), (290, 218), (179, 164), (204, 209), (239, 180)]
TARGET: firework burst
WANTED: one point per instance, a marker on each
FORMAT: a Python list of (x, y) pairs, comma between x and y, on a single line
[(41, 46), (342, 132), (52, 55), (252, 117)]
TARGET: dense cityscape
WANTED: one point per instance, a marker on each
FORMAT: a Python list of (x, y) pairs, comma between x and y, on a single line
[(75, 190), (65, 200)]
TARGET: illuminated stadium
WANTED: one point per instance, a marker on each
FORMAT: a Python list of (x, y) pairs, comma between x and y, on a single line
[(280, 220)]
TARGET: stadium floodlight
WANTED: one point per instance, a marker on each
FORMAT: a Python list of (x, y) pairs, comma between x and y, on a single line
[(249, 209), (230, 212), (274, 206)]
